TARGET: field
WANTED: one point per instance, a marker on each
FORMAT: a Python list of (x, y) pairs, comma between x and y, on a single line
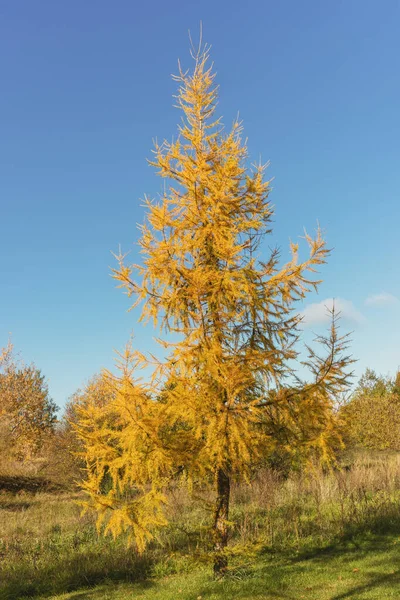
[(321, 536)]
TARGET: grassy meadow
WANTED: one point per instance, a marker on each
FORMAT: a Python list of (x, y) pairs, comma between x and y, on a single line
[(317, 536)]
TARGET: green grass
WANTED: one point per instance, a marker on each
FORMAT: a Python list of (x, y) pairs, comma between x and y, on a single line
[(319, 537), (46, 546), (367, 570)]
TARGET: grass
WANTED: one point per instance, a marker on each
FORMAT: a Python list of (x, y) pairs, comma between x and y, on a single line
[(332, 536), (369, 570), (46, 546)]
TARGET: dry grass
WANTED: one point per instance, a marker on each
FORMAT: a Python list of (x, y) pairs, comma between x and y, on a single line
[(47, 547)]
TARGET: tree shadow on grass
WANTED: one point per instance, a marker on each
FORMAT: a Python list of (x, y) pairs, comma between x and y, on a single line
[(371, 554), (97, 592), (356, 564), (87, 594), (32, 484), (377, 581), (15, 506), (371, 535), (80, 572), (315, 578)]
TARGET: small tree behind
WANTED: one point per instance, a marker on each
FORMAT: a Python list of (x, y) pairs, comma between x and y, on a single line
[(64, 450), (372, 415), (27, 413)]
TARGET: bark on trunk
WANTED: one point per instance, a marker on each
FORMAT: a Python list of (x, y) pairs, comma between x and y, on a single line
[(220, 528)]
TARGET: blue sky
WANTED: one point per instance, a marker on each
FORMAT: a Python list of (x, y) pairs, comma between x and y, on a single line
[(86, 87)]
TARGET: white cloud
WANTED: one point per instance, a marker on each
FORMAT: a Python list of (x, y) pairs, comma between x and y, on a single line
[(318, 313), (382, 299)]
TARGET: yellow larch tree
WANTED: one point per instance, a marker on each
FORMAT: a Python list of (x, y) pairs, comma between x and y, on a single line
[(227, 386)]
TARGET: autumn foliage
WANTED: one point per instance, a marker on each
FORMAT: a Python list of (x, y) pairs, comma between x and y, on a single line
[(226, 395), (372, 414), (27, 413)]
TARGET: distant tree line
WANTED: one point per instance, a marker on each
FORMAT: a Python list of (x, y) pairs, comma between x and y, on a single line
[(30, 431)]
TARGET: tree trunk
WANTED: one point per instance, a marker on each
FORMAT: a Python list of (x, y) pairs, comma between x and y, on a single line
[(220, 528)]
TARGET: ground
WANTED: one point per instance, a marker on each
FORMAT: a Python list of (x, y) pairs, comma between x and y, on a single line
[(331, 537), (371, 571)]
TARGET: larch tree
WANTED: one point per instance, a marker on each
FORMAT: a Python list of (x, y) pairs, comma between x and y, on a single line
[(219, 401)]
